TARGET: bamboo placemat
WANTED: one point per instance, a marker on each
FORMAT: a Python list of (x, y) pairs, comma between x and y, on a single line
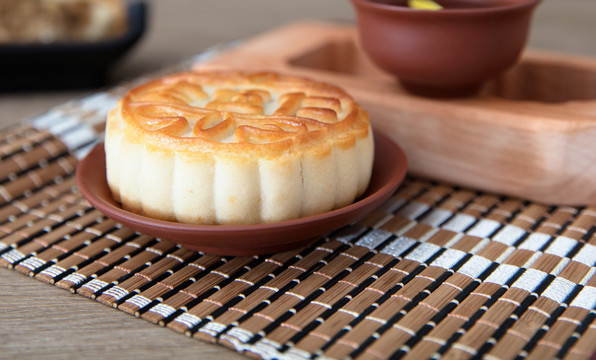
[(437, 271)]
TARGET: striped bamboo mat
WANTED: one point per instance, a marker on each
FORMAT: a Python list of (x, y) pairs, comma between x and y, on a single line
[(437, 271)]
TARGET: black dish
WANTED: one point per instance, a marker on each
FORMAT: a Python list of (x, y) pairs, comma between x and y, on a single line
[(67, 65)]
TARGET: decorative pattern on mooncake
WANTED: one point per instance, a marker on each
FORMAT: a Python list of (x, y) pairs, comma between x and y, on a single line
[(237, 148)]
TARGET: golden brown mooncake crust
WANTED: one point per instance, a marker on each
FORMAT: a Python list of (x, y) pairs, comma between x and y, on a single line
[(232, 147)]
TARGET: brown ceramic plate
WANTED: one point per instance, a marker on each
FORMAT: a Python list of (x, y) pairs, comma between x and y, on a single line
[(389, 170)]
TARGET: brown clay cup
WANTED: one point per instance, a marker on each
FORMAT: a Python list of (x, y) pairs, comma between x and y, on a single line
[(444, 53)]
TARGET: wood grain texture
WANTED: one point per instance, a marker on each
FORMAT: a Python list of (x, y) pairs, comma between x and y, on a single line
[(528, 134), (43, 321)]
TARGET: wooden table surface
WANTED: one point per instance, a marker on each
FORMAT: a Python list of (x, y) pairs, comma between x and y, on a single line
[(42, 321)]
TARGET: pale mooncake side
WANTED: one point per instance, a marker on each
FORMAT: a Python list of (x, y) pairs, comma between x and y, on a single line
[(237, 148)]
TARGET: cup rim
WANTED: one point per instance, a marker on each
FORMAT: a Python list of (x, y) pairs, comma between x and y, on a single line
[(370, 4)]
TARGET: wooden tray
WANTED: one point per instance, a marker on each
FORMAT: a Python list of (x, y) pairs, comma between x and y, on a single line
[(530, 134)]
